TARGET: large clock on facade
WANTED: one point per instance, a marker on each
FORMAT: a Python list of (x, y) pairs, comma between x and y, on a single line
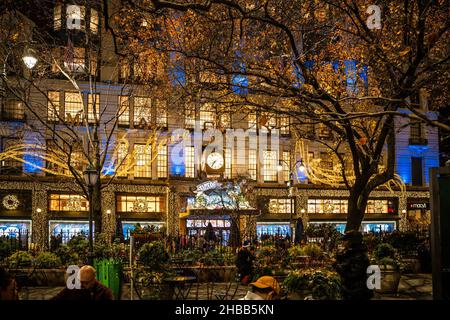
[(215, 163)]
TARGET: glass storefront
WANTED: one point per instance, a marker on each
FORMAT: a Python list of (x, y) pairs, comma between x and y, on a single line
[(273, 229), (15, 228), (221, 226), (129, 226), (372, 226), (64, 230)]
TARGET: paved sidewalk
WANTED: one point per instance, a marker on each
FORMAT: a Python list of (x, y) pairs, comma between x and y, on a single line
[(412, 287)]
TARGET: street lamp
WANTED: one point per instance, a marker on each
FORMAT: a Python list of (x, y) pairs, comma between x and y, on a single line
[(90, 178), (29, 58)]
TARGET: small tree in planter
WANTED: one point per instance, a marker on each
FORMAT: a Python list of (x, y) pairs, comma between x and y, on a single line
[(320, 284), (47, 260), (386, 258), (153, 255), (20, 259)]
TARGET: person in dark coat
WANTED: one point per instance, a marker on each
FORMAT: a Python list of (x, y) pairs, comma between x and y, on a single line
[(91, 288), (244, 263)]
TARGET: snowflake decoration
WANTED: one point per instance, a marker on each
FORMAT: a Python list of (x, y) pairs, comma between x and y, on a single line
[(74, 205), (11, 202)]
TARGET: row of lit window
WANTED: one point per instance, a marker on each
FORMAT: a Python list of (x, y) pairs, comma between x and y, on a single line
[(340, 206), (75, 17), (124, 203)]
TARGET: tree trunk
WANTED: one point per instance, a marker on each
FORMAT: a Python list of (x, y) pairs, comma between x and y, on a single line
[(352, 262)]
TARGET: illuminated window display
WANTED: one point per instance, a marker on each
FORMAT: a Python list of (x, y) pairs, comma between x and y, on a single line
[(133, 203), (280, 206), (15, 228), (372, 226), (273, 229), (67, 229), (340, 206), (68, 202), (129, 226)]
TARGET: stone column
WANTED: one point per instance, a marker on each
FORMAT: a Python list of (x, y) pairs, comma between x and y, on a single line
[(108, 213), (40, 219), (403, 213), (173, 209)]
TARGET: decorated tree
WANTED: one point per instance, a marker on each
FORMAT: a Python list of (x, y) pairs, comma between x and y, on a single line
[(329, 65)]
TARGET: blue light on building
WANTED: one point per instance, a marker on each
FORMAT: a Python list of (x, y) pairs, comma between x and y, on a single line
[(177, 74), (239, 80)]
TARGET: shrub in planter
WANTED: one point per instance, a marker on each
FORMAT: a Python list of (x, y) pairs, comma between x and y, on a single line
[(20, 259), (153, 255), (67, 256), (321, 284), (313, 250), (79, 245), (386, 259), (47, 260)]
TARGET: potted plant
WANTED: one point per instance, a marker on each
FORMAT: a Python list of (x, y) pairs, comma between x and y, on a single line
[(314, 283), (386, 258)]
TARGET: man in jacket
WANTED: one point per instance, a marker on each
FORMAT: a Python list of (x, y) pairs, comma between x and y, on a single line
[(244, 263), (91, 288)]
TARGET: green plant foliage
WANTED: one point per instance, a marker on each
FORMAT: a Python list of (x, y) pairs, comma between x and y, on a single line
[(79, 244), (47, 260), (323, 284), (404, 242), (153, 255), (313, 250), (384, 250), (20, 259), (7, 246), (67, 256)]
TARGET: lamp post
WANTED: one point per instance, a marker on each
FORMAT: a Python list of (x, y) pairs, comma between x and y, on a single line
[(90, 178), (300, 170)]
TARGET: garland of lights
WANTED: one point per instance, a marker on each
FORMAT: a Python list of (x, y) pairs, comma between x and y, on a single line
[(11, 202), (333, 177)]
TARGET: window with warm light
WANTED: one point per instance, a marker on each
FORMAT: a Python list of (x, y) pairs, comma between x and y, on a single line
[(75, 61), (67, 202), (94, 21), (207, 116), (279, 206), (161, 167), (124, 111), (286, 165), (161, 113), (75, 16), (285, 125), (73, 105), (228, 155), (327, 206), (143, 161), (57, 16), (140, 203), (93, 107), (251, 119), (189, 115), (53, 106), (142, 111), (252, 163), (122, 156), (270, 165), (189, 162)]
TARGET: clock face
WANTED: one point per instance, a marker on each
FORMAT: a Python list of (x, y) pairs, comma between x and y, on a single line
[(215, 160)]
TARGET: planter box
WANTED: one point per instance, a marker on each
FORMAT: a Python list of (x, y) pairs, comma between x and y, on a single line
[(390, 279), (214, 273)]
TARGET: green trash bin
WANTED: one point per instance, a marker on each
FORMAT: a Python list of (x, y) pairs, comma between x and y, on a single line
[(109, 273)]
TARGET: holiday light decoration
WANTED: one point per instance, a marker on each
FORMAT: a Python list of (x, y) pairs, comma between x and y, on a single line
[(334, 177), (121, 162), (11, 202)]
